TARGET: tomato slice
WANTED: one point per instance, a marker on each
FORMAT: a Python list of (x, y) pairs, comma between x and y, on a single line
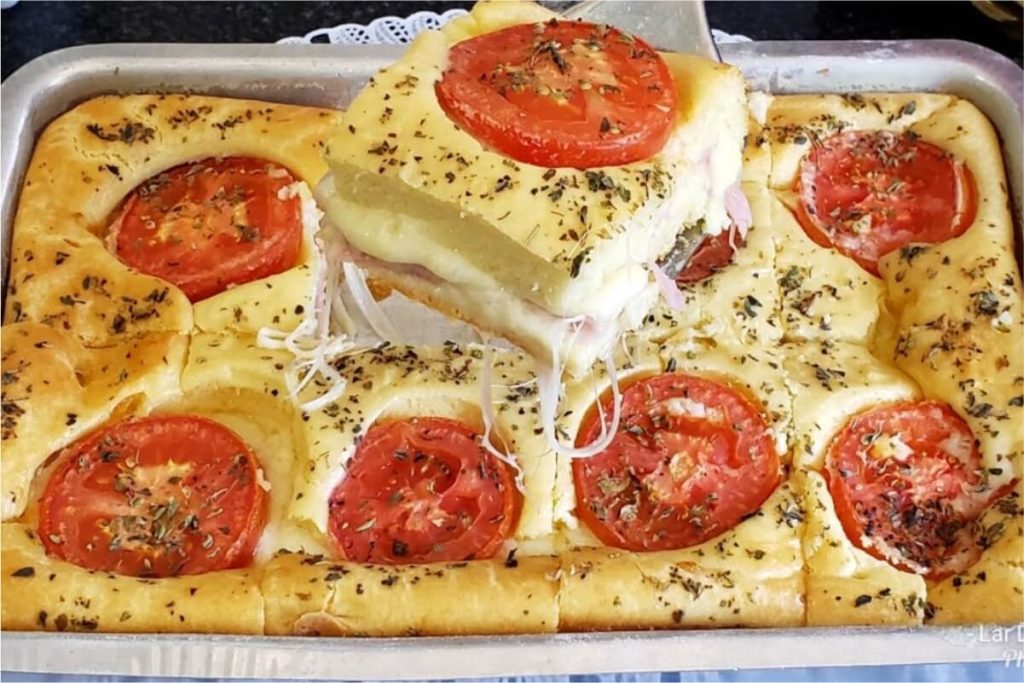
[(563, 93), (211, 224), (714, 253), (868, 193), (423, 490), (907, 487), (691, 459), (157, 496)]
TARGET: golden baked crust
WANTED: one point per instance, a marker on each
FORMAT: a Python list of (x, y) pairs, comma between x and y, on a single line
[(249, 397), (992, 591), (844, 585), (308, 595), (830, 383), (751, 575), (54, 594), (55, 390), (824, 295), (43, 593), (89, 341), (89, 159)]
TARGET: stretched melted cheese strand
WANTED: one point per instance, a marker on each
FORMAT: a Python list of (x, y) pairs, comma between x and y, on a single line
[(549, 383), (378, 320), (487, 414), (311, 342)]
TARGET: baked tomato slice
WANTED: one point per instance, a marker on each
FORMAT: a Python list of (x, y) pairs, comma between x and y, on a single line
[(157, 496), (692, 458), (714, 253), (423, 490), (563, 93), (907, 484), (868, 193), (211, 224)]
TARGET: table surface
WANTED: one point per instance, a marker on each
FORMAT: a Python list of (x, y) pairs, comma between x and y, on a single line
[(30, 29)]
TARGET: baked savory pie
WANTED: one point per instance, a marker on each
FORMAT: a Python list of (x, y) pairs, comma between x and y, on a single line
[(817, 421)]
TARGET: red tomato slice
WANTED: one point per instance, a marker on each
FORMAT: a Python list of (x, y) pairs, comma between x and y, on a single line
[(561, 94), (692, 458), (868, 193), (714, 253), (423, 490), (157, 496), (209, 225), (907, 487)]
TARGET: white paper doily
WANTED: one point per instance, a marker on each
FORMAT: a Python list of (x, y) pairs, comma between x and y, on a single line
[(382, 31), (399, 30)]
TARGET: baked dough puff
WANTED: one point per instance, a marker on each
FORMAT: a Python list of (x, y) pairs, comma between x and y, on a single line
[(992, 591), (959, 329), (89, 159), (231, 380), (740, 302), (58, 391), (515, 593), (55, 391), (830, 383), (826, 295), (751, 575)]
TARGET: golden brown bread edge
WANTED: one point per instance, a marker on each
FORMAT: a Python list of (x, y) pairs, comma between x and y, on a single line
[(314, 596), (44, 593)]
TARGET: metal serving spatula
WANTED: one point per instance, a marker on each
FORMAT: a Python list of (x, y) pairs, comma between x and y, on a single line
[(670, 25)]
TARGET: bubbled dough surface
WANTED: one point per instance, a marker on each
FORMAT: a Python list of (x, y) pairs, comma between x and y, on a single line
[(395, 382), (90, 158), (959, 305), (749, 576), (312, 596), (55, 391), (839, 575)]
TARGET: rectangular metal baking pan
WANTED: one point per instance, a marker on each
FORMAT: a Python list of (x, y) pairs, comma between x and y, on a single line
[(327, 75)]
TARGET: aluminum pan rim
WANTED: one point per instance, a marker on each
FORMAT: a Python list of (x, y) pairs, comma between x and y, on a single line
[(479, 656)]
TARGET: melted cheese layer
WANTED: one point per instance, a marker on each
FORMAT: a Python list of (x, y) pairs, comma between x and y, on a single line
[(415, 189)]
